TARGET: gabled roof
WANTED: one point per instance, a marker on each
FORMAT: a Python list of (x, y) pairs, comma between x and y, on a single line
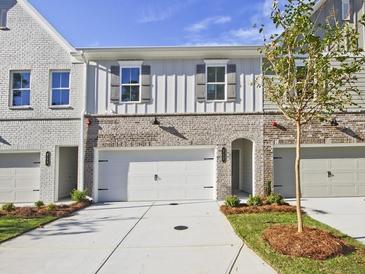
[(46, 25)]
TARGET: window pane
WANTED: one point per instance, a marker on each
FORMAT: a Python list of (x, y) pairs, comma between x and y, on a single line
[(211, 91), (220, 76), (220, 92), (65, 80), (211, 74), (56, 79), (26, 97), (17, 98), (65, 97), (126, 94), (134, 76), (17, 80), (56, 97), (126, 75), (134, 93)]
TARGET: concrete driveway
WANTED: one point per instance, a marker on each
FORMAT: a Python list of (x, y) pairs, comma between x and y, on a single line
[(344, 214), (133, 238)]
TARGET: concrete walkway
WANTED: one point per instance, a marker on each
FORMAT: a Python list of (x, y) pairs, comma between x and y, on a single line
[(345, 214), (133, 238)]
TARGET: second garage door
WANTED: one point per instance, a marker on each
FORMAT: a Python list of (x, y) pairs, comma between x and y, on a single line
[(164, 174), (325, 172), (19, 177)]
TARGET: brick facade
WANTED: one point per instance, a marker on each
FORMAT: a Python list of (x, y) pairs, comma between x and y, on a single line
[(29, 46), (350, 129), (178, 130)]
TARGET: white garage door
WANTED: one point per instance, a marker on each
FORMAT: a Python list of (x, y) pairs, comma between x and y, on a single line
[(19, 177), (325, 172), (165, 174)]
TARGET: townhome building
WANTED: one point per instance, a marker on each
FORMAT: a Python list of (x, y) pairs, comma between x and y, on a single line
[(158, 123)]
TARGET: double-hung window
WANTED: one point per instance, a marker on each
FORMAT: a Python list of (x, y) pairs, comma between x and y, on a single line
[(216, 83), (20, 88), (130, 84), (346, 10), (60, 88)]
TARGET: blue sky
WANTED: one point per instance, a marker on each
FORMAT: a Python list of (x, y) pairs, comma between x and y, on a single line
[(100, 23)]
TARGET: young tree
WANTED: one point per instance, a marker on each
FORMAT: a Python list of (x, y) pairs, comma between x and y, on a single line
[(311, 69)]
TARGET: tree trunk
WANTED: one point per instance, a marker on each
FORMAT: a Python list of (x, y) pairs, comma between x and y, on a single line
[(297, 177)]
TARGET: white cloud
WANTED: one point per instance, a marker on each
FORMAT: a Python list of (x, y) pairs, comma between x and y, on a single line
[(267, 7), (163, 11), (207, 22)]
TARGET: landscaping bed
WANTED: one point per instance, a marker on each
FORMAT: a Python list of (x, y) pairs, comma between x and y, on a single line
[(320, 249), (244, 208)]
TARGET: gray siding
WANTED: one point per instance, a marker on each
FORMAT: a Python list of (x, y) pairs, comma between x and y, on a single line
[(173, 89)]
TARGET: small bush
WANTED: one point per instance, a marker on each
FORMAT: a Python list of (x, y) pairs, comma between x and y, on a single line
[(39, 204), (269, 187), (8, 207), (78, 195), (254, 200), (51, 207), (232, 201), (275, 198)]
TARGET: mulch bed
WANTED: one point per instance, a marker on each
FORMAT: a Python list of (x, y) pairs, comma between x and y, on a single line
[(243, 208), (33, 212), (312, 243)]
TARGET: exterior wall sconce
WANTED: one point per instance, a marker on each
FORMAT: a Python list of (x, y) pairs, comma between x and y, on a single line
[(277, 125), (274, 124), (156, 122), (334, 122), (224, 154), (48, 158)]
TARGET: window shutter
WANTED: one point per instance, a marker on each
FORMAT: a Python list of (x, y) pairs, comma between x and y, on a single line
[(115, 84), (200, 82), (231, 82), (3, 14), (146, 90)]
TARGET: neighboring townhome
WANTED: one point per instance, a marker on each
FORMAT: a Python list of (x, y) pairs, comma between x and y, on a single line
[(168, 123), (41, 102), (333, 158)]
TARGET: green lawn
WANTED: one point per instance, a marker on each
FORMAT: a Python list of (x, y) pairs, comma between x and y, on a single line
[(14, 226), (250, 227)]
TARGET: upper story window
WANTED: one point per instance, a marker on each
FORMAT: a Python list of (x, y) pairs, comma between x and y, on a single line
[(346, 10), (216, 83), (3, 19), (60, 91), (20, 88), (130, 84)]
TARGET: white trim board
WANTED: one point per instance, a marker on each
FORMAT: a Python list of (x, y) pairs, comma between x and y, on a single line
[(321, 145)]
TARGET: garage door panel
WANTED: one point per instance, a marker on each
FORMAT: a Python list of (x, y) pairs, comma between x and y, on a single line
[(339, 164), (361, 176), (314, 164), (182, 173), (343, 177), (343, 190), (361, 190), (19, 177), (315, 191), (314, 177)]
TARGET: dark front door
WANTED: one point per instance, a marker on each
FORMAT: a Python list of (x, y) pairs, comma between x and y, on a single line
[(235, 169)]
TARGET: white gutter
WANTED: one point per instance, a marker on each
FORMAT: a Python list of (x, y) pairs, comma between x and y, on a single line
[(81, 185)]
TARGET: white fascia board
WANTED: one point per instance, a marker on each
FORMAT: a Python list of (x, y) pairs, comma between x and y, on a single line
[(216, 61), (46, 25), (130, 63)]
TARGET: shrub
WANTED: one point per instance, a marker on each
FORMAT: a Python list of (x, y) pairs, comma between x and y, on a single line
[(269, 187), (232, 201), (254, 200), (275, 198), (78, 195), (39, 204), (51, 207), (8, 207)]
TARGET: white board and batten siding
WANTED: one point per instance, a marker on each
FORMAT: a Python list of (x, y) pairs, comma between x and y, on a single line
[(173, 89)]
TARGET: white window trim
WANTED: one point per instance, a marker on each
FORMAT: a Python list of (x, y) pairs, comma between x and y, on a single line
[(51, 89), (348, 3), (122, 85), (217, 83), (11, 106)]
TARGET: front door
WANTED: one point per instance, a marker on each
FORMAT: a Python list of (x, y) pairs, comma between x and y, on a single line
[(235, 169)]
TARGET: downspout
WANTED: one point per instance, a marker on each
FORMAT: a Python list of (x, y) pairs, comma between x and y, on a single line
[(82, 150)]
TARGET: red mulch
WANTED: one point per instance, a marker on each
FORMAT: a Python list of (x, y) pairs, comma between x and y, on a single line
[(312, 243), (31, 212), (243, 208)]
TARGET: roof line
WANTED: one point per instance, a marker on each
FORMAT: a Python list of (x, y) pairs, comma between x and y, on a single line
[(46, 25), (168, 47)]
